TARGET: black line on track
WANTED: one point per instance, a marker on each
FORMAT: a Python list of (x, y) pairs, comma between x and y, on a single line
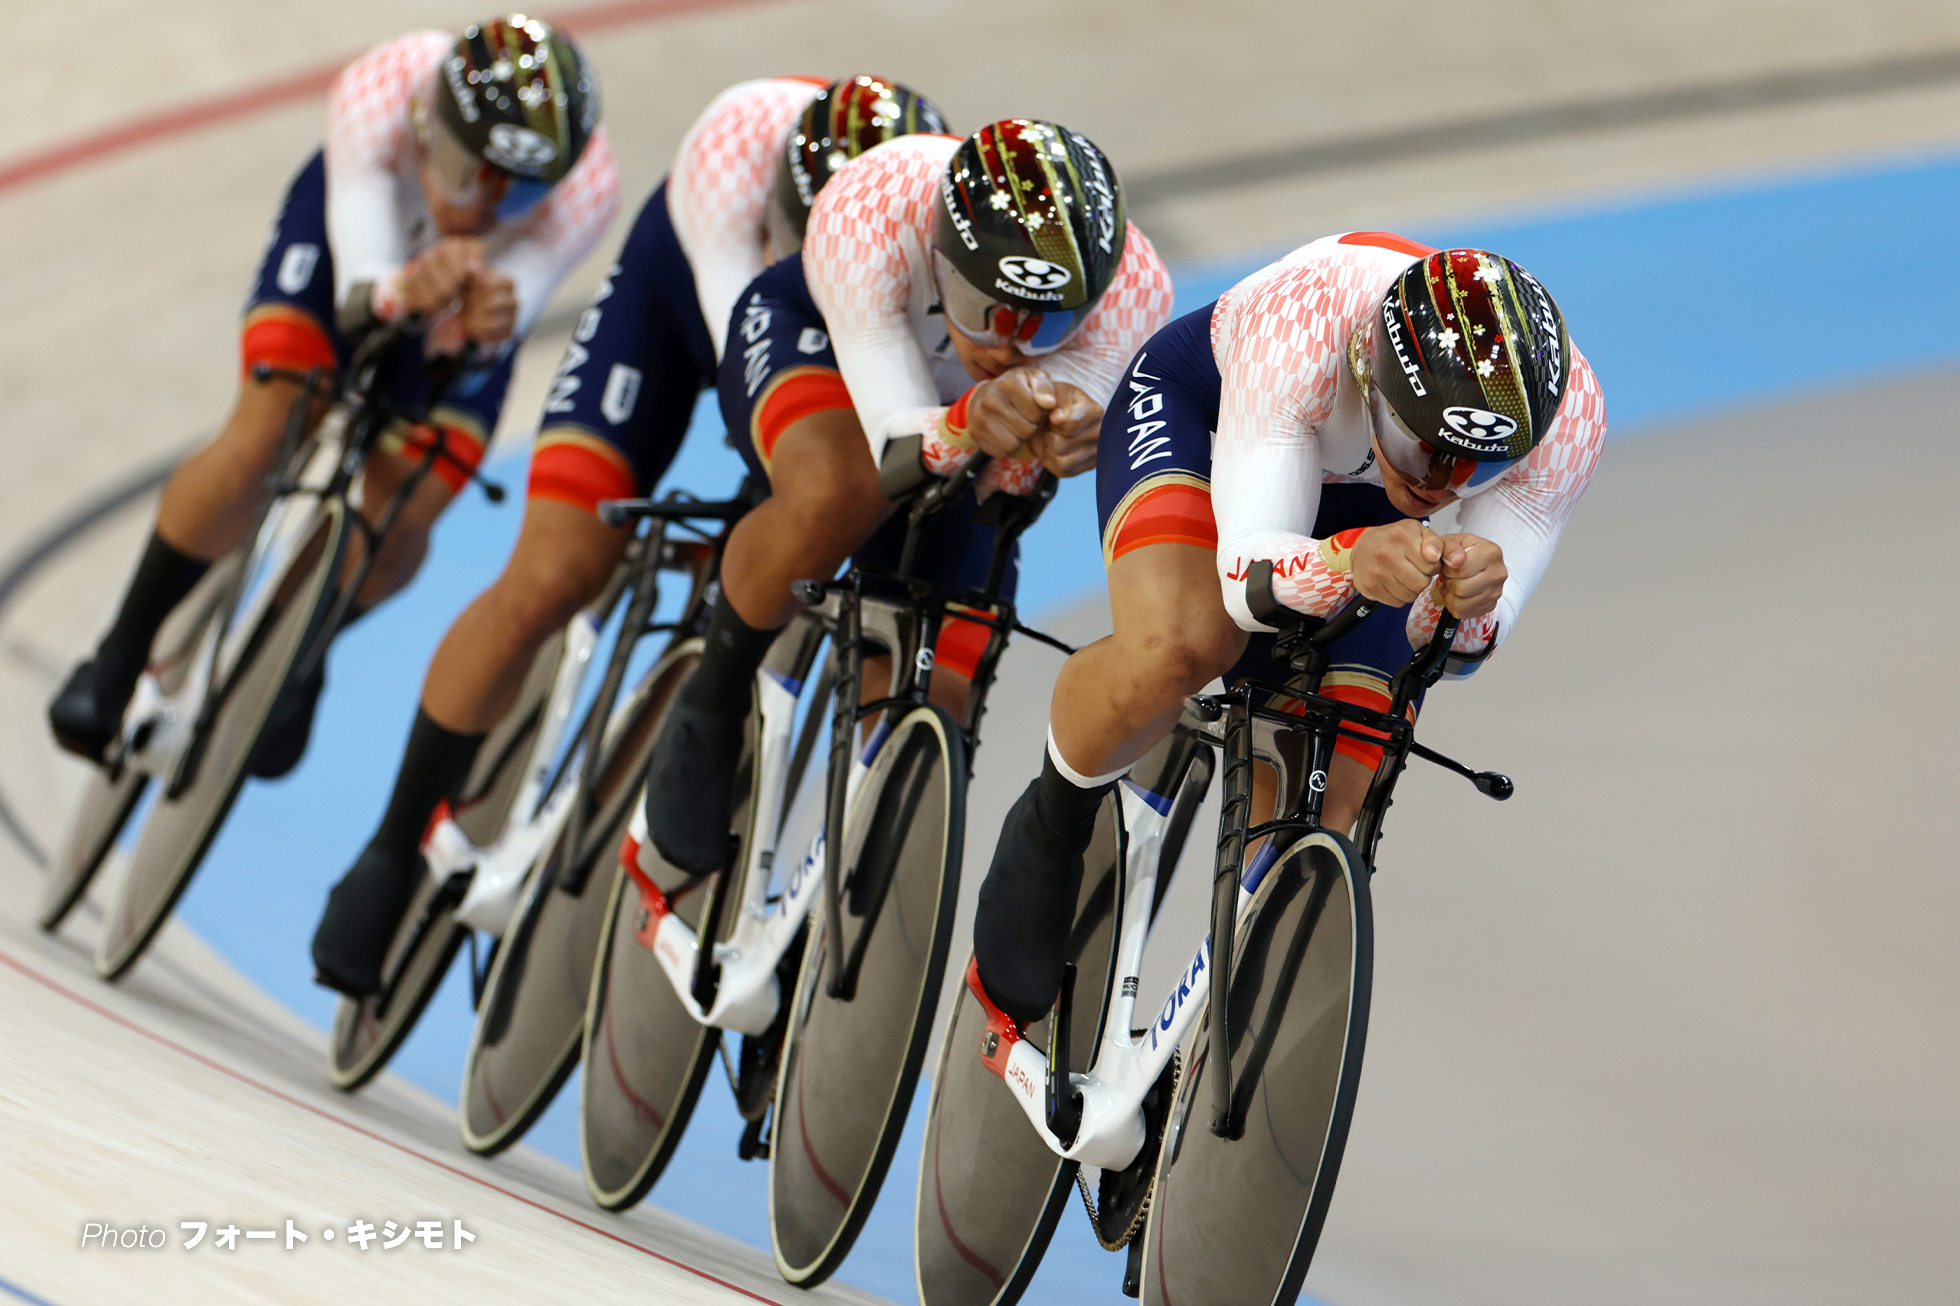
[(1545, 122)]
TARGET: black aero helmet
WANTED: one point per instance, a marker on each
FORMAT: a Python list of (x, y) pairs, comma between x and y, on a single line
[(1471, 358), (517, 97), (847, 118), (1029, 233)]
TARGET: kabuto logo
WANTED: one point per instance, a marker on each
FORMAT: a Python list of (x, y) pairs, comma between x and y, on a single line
[(1392, 323), (959, 220), (1034, 273), (1478, 428), (519, 149), (1105, 194)]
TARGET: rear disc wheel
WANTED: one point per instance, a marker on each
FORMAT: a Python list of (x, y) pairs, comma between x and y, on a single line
[(106, 806), (990, 1191)]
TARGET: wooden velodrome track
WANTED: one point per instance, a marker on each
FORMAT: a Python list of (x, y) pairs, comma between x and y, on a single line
[(1676, 1025)]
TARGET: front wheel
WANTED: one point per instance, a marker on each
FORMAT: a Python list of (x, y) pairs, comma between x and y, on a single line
[(849, 1066), (1235, 1219)]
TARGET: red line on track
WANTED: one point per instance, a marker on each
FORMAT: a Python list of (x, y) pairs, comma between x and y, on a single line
[(216, 109), (56, 986)]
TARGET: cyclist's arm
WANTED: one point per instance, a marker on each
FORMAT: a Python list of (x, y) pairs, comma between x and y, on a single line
[(370, 136), (721, 185), (1134, 308), (1279, 342), (865, 261), (1525, 512), (538, 252)]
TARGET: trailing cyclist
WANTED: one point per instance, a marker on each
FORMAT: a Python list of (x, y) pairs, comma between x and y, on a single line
[(1311, 420), (461, 179), (736, 199), (951, 295)]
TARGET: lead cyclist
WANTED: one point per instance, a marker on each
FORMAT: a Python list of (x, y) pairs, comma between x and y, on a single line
[(949, 295), (1355, 387), (462, 177), (736, 199)]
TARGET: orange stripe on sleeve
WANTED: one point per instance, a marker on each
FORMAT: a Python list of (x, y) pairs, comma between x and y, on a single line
[(1166, 510), (790, 397), (579, 469), (283, 336)]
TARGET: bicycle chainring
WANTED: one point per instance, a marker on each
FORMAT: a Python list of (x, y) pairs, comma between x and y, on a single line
[(1121, 1203)]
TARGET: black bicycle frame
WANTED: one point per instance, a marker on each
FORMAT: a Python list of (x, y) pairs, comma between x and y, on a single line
[(1303, 647), (924, 606)]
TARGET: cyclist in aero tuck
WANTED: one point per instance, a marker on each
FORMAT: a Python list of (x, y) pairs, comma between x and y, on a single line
[(736, 199), (950, 294), (1310, 420), (461, 178)]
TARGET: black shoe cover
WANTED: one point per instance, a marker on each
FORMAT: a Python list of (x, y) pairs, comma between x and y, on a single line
[(1027, 904), (87, 714), (289, 728), (363, 912), (691, 789)]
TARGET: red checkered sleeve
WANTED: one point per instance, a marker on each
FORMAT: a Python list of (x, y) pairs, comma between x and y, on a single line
[(537, 253), (370, 148), (1280, 338), (722, 183), (1134, 308), (1526, 511), (866, 260)]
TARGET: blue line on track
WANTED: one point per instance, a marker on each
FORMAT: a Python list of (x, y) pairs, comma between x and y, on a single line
[(16, 1290)]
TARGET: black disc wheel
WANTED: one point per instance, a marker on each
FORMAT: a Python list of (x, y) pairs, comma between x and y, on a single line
[(1235, 1219), (107, 802), (368, 1031), (187, 816), (531, 1019), (990, 1191), (849, 1064)]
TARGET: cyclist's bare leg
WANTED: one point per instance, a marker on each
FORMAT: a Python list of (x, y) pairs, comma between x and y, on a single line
[(824, 502), (210, 501), (1172, 636), (563, 559)]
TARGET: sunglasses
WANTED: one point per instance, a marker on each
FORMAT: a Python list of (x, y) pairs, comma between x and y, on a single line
[(464, 180), (987, 321), (1420, 462)]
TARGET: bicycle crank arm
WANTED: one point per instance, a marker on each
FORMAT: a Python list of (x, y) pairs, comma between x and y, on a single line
[(745, 1002), (1111, 1132)]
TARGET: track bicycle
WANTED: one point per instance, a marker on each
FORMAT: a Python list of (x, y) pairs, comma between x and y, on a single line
[(260, 620), (827, 938), (540, 888), (530, 776), (1216, 1128)]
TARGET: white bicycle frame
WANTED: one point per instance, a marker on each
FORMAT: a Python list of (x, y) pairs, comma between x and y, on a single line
[(747, 995), (497, 872), (158, 726), (1126, 1064)]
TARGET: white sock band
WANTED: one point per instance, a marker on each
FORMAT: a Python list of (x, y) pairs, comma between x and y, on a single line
[(1074, 776)]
